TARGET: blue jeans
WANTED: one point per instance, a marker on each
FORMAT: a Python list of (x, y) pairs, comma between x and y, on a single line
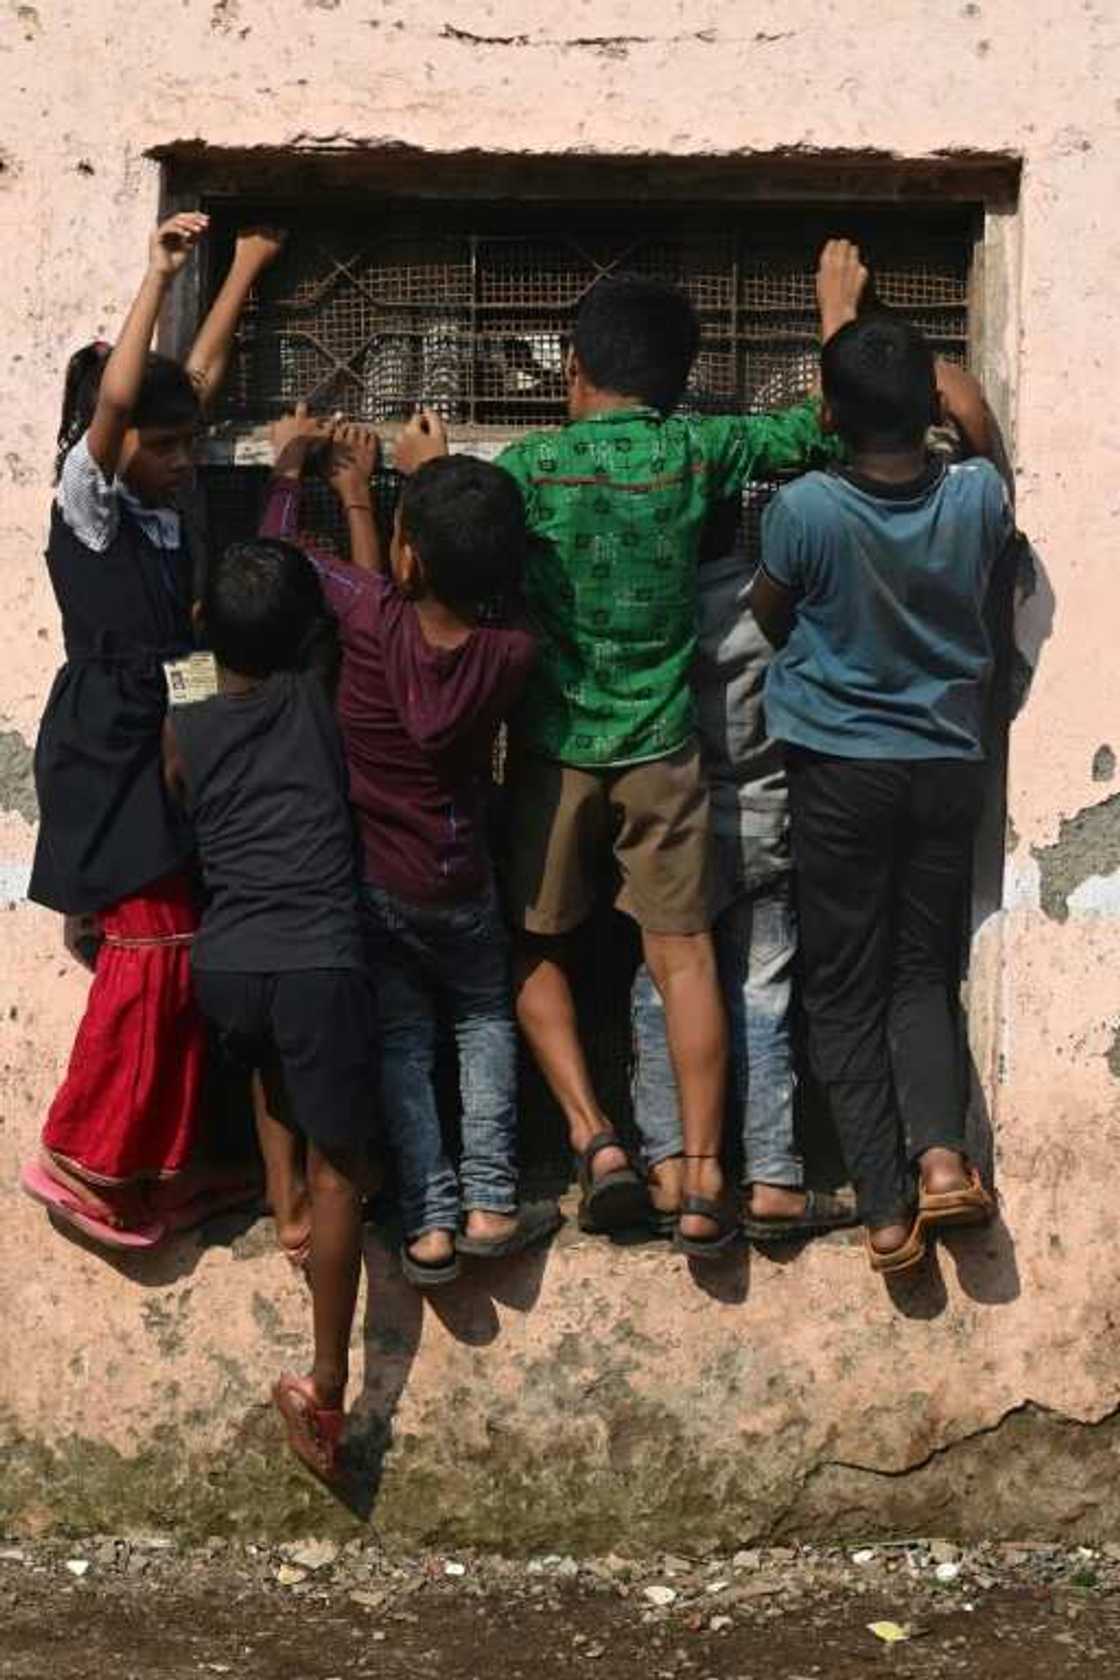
[(756, 942), (458, 955)]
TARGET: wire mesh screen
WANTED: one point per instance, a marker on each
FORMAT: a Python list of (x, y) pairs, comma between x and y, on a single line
[(370, 316), (370, 321)]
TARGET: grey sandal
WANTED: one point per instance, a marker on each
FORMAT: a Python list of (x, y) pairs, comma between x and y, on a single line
[(428, 1274), (614, 1202), (724, 1219), (823, 1212), (536, 1222)]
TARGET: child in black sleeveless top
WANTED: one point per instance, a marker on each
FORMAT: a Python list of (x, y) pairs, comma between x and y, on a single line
[(278, 962), (112, 849)]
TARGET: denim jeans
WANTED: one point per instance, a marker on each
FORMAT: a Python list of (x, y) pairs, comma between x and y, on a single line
[(756, 944), (457, 956)]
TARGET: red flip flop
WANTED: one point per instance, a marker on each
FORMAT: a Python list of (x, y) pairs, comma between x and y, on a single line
[(65, 1205), (314, 1432)]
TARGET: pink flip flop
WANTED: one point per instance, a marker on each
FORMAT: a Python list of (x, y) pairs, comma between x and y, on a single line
[(314, 1432), (65, 1205)]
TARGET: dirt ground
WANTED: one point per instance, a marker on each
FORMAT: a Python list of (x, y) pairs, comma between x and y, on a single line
[(137, 1608)]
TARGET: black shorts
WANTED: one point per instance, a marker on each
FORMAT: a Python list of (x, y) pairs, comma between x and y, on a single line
[(316, 1026)]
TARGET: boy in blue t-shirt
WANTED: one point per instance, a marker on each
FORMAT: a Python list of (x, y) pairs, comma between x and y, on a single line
[(873, 587)]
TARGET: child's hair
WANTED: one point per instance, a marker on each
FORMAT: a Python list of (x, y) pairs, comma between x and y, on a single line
[(638, 338), (264, 610), (878, 379), (167, 397), (466, 520)]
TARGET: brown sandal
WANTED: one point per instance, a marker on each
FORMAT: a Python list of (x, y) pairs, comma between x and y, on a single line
[(901, 1259), (972, 1205)]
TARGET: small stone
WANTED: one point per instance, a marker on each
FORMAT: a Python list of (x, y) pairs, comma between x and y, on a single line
[(947, 1572), (747, 1560), (717, 1586), (865, 1556), (146, 1542), (568, 1567), (78, 1567), (718, 1624), (368, 1600), (312, 1554), (673, 1565), (454, 1569), (135, 1563), (12, 1554), (943, 1551), (289, 1576), (661, 1597), (782, 1554)]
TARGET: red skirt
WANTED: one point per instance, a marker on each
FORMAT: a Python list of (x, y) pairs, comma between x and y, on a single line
[(129, 1109)]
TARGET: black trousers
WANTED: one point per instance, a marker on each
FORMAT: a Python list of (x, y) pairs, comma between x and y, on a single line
[(882, 853)]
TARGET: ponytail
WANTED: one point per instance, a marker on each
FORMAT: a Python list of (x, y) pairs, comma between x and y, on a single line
[(79, 397)]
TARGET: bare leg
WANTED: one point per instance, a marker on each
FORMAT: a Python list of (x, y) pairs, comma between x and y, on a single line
[(283, 1151), (547, 1015), (336, 1253), (683, 967)]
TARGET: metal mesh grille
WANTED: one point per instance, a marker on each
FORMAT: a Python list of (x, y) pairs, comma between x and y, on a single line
[(371, 320)]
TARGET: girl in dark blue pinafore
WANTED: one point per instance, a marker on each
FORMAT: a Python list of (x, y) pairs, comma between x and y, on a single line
[(112, 847)]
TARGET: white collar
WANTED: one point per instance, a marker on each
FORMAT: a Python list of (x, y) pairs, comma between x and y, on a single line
[(162, 525)]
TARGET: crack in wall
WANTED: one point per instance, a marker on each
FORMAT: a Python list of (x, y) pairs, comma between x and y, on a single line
[(1024, 1408), (614, 46)]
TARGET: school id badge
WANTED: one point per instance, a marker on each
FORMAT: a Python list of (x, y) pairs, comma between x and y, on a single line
[(191, 679)]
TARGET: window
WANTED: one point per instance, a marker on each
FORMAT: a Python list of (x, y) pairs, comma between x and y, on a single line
[(466, 310)]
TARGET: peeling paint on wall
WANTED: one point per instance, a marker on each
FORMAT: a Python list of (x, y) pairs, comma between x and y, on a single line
[(1088, 845), (1104, 764), (17, 776)]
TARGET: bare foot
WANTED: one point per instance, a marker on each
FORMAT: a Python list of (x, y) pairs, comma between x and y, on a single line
[(666, 1184), (703, 1176), (884, 1239), (775, 1201), (942, 1170), (433, 1248), (488, 1226)]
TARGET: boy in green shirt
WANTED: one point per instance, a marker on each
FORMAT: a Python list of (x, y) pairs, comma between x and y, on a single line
[(604, 752)]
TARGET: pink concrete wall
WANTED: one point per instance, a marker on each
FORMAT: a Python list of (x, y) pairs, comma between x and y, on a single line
[(603, 1395)]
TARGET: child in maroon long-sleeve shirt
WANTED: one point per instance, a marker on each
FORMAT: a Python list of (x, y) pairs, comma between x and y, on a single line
[(423, 689)]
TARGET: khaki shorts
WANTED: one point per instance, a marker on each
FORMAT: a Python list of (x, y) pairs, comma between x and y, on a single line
[(565, 819)]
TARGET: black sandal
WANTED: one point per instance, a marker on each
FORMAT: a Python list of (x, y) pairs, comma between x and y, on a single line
[(615, 1202), (428, 1274), (824, 1211), (536, 1222), (722, 1215)]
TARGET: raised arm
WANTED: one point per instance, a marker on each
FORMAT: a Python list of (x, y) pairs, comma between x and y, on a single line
[(256, 249), (753, 446), (963, 400), (351, 465), (293, 437), (170, 246)]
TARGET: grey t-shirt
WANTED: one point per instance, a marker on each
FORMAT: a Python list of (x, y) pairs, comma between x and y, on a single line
[(889, 656)]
